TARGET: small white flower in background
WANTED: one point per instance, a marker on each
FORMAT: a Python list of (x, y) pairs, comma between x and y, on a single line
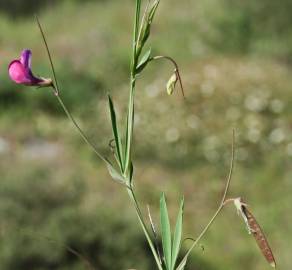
[(254, 103), (207, 89), (251, 121), (253, 135), (212, 142), (193, 121), (210, 151), (152, 90), (172, 135), (211, 71), (277, 106), (211, 155), (277, 136)]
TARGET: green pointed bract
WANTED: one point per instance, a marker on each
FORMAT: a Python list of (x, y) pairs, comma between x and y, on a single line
[(144, 61), (146, 28), (165, 232), (177, 235), (153, 10), (116, 134)]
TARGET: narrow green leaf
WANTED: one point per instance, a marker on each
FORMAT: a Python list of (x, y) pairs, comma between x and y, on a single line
[(165, 232), (144, 61), (116, 132), (129, 134), (146, 34), (137, 19), (147, 25), (177, 235), (152, 11)]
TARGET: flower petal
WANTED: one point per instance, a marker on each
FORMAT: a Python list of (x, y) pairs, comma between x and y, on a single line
[(25, 58), (18, 73)]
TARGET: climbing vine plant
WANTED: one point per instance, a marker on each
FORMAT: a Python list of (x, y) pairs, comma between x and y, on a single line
[(120, 165)]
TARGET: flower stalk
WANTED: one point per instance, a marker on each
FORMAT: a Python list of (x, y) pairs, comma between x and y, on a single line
[(219, 209)]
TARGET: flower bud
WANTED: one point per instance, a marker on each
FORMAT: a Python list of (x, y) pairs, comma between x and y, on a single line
[(170, 86)]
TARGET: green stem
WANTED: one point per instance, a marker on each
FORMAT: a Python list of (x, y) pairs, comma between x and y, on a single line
[(130, 116), (201, 235), (143, 225), (130, 126), (129, 134), (80, 131), (56, 91)]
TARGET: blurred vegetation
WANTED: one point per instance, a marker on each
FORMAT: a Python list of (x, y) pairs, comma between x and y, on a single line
[(235, 60), (22, 8)]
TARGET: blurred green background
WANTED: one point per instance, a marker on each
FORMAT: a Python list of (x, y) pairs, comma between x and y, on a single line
[(235, 59)]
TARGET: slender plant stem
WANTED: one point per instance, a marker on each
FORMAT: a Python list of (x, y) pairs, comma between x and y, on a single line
[(130, 116), (80, 131), (56, 90), (49, 54), (230, 169), (221, 205), (130, 125), (154, 234), (129, 134), (129, 130), (144, 227)]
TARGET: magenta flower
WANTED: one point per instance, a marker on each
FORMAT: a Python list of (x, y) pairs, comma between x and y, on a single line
[(20, 72)]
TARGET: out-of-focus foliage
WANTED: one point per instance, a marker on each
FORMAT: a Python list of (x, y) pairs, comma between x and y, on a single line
[(21, 8), (252, 26), (40, 216), (234, 58)]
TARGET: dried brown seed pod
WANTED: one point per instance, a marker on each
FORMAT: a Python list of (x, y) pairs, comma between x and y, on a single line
[(255, 229)]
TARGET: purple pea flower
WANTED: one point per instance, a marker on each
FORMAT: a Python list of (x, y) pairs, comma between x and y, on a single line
[(20, 72)]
